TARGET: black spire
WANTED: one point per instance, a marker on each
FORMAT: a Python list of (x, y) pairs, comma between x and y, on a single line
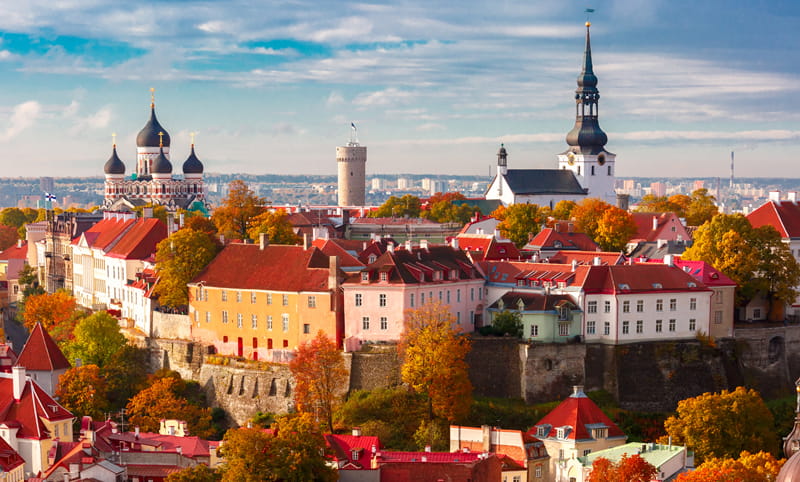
[(586, 137)]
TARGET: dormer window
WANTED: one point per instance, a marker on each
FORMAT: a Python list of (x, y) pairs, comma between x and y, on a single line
[(541, 431), (560, 432), (521, 282), (384, 276), (657, 286), (372, 258), (501, 304), (365, 276), (520, 305), (600, 433), (453, 274)]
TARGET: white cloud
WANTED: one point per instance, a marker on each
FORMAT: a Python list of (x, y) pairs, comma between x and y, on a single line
[(431, 126), (22, 118), (385, 97), (334, 99)]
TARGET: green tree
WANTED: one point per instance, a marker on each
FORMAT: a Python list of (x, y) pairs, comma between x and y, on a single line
[(126, 374), (29, 283), (393, 414), (197, 473), (519, 222), (508, 322), (433, 355), (96, 339), (320, 378), (723, 424), (179, 258), (238, 208), (276, 225), (563, 210), (394, 207), (13, 217), (83, 391)]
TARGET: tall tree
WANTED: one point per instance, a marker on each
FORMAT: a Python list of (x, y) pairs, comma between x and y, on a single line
[(240, 206), (96, 339), (615, 228), (701, 208), (723, 424), (126, 374), (434, 365), (629, 469), (563, 210), (202, 224), (508, 323), (518, 222), (83, 391), (197, 473), (49, 309), (320, 378), (276, 225), (179, 258), (244, 453), (398, 207), (8, 236), (162, 400), (587, 215)]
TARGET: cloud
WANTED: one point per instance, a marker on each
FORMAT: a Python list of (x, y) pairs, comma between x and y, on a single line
[(22, 118), (384, 97), (98, 120), (431, 126), (282, 129), (334, 99)]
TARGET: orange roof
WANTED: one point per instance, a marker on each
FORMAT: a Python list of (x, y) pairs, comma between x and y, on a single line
[(782, 215), (587, 257), (139, 242), (41, 353), (330, 248), (577, 415), (15, 252)]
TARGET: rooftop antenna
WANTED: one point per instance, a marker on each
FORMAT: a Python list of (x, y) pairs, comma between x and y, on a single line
[(353, 135)]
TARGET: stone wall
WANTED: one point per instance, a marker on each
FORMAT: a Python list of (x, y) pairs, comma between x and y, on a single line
[(769, 357), (377, 368), (549, 370), (166, 325), (495, 367)]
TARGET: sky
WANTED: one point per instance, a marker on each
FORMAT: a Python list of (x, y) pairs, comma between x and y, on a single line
[(433, 87)]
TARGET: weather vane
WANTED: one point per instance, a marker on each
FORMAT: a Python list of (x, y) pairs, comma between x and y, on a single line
[(588, 11)]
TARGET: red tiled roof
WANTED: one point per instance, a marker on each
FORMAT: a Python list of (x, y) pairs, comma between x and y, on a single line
[(276, 267), (533, 301), (644, 226), (15, 252), (549, 238), (140, 241), (330, 248), (587, 257), (104, 232), (642, 277), (34, 404), (433, 457), (162, 471), (705, 273), (510, 272), (8, 358), (576, 412), (490, 247), (407, 267), (392, 221), (782, 215), (9, 458), (41, 353), (343, 446)]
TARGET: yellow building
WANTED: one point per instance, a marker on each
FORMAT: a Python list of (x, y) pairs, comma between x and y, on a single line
[(262, 301)]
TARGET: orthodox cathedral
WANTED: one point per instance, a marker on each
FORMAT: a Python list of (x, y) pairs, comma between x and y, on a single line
[(153, 182), (585, 169)]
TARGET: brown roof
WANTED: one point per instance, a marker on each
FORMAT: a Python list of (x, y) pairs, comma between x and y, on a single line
[(41, 353), (533, 301), (419, 265)]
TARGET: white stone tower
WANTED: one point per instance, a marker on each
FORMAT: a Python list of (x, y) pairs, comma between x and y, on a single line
[(352, 162)]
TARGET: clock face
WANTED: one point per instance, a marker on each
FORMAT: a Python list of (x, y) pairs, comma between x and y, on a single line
[(571, 158), (601, 159)]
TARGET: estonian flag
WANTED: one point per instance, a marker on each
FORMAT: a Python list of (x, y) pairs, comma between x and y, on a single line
[(352, 125)]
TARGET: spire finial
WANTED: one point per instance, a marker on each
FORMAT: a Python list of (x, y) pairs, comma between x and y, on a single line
[(114, 139), (192, 134), (161, 139), (152, 97)]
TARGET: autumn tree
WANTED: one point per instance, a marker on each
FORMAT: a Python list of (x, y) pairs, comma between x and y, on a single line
[(563, 210), (518, 222), (83, 391), (49, 309), (163, 399), (508, 323), (628, 469), (126, 374), (8, 236), (757, 467), (233, 216), (202, 224), (651, 203), (96, 339), (615, 228), (587, 215), (442, 209), (13, 217), (434, 365), (179, 258), (244, 453), (723, 424), (196, 473), (701, 208), (320, 378), (398, 207), (276, 225)]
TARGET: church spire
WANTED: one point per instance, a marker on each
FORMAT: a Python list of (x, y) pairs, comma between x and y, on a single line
[(586, 137)]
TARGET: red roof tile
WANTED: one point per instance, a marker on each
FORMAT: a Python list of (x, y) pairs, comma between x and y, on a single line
[(344, 445), (34, 404), (579, 413), (587, 257), (433, 457), (15, 252), (705, 273), (9, 458), (41, 353), (664, 221), (510, 272), (549, 238), (104, 232), (330, 248), (489, 247), (276, 267), (392, 221), (782, 215), (640, 278), (139, 242)]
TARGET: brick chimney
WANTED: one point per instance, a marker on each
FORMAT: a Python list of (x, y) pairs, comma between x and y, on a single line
[(263, 241), (333, 273), (18, 381)]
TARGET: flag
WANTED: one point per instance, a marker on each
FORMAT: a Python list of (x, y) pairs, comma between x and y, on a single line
[(589, 10), (352, 125), (50, 197)]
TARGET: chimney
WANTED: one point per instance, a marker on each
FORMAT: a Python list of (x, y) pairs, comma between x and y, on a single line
[(390, 247), (356, 431), (535, 258), (660, 243), (597, 261), (423, 244), (577, 391), (147, 212), (18, 380), (655, 223), (408, 245), (486, 439), (775, 196), (305, 241), (170, 223), (454, 243), (497, 234), (574, 264), (263, 241), (333, 273), (136, 433), (570, 227), (19, 243), (669, 260), (427, 448), (556, 226), (792, 196), (181, 220), (479, 231)]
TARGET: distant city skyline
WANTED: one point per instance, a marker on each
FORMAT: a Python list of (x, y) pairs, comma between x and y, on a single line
[(272, 87)]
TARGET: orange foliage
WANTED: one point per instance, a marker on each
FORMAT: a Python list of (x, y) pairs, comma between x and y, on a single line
[(83, 391), (51, 310), (629, 469)]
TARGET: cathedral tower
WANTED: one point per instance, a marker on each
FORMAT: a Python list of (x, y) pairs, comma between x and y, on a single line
[(352, 161), (587, 157)]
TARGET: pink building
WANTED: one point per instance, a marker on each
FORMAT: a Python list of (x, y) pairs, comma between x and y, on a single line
[(406, 277), (655, 227)]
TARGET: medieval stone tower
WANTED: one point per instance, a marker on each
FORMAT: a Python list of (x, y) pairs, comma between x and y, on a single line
[(352, 162)]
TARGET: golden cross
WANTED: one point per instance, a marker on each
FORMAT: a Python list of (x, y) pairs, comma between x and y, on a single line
[(192, 134), (161, 139), (114, 138)]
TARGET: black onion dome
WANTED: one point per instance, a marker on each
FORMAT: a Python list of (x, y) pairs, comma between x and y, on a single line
[(161, 165), (114, 164), (192, 165), (149, 135)]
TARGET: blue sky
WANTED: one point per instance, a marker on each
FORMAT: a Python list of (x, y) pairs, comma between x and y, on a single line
[(434, 87)]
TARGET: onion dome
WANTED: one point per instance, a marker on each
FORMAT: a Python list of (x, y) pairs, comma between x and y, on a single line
[(161, 165), (149, 135), (192, 165), (790, 472), (114, 164)]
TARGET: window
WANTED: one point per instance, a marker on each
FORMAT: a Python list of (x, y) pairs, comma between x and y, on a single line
[(312, 301), (269, 298), (639, 306), (411, 300), (286, 343), (560, 454), (590, 327), (626, 306), (560, 435), (717, 317), (607, 308), (285, 300), (382, 300), (252, 297), (607, 328), (472, 317), (358, 299), (254, 321), (306, 328), (458, 296), (365, 323), (538, 472), (421, 299), (534, 330), (208, 317), (673, 304), (269, 322), (659, 305), (639, 326), (563, 329), (625, 327), (609, 170), (458, 318), (384, 276), (692, 324), (384, 323), (587, 452), (224, 295), (238, 296), (591, 307), (756, 313), (239, 320), (472, 294), (692, 304), (224, 316), (718, 297), (448, 297), (592, 170), (285, 320), (672, 325), (440, 295), (365, 276), (658, 325)]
